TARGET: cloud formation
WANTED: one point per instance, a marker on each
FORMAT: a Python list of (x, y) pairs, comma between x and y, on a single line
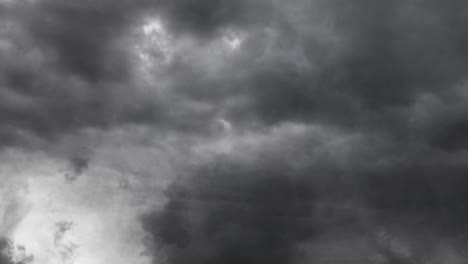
[(275, 126), (359, 65)]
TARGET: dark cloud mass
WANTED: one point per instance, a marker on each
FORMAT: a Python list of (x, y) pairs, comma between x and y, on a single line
[(205, 18), (377, 60), (384, 83), (239, 215), (4, 256)]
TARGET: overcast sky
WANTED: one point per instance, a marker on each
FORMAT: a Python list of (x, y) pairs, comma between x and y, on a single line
[(233, 131)]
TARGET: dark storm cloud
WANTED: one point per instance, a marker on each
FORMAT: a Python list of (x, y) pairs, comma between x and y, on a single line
[(392, 52), (435, 191), (384, 58), (83, 35), (359, 66), (205, 18), (261, 209), (64, 69), (258, 206), (44, 97), (453, 136), (231, 213), (68, 66), (4, 255)]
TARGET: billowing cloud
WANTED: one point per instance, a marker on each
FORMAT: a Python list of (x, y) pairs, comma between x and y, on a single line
[(233, 131)]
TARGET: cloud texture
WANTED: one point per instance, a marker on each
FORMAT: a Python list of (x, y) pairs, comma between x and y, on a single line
[(218, 131)]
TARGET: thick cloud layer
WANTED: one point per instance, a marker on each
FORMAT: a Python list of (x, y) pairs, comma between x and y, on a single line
[(238, 215), (276, 126), (362, 64)]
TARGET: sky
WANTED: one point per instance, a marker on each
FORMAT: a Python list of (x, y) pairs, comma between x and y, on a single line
[(226, 132)]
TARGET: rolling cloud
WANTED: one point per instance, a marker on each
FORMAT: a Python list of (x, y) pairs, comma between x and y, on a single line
[(218, 131)]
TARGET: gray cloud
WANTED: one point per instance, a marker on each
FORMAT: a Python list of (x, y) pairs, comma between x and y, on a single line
[(4, 258), (358, 65), (391, 74), (232, 213)]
